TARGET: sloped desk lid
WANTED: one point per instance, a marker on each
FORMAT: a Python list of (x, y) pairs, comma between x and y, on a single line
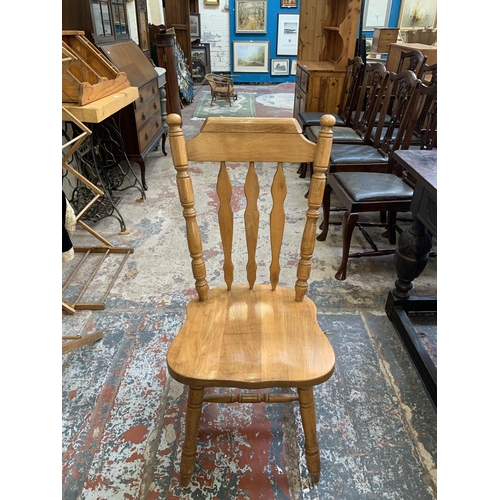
[(128, 57)]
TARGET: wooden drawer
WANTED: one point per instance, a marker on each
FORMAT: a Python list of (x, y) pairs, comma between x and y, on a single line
[(146, 111), (146, 92), (149, 130)]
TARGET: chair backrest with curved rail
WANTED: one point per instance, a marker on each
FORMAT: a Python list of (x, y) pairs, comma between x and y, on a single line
[(247, 141), (350, 89)]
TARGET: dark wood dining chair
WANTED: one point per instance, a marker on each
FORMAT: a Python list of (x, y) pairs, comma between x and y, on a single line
[(250, 336), (368, 158), (392, 191), (412, 60), (367, 110)]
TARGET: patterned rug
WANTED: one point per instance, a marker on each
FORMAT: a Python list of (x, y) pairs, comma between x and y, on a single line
[(244, 106), (281, 100)]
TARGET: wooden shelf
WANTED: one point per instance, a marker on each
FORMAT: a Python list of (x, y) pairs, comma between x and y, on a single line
[(97, 111)]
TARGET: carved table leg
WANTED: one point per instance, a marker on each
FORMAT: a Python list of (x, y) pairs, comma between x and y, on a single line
[(410, 258)]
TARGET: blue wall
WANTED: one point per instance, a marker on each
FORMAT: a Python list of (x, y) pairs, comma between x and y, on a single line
[(273, 9)]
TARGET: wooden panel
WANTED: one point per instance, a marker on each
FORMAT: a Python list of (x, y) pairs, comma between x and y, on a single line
[(313, 14), (128, 57)]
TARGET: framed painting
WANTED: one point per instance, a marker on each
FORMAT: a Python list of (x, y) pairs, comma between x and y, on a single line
[(200, 61), (376, 14), (251, 16), (194, 25), (280, 67), (293, 69), (288, 34), (288, 4), (418, 14), (251, 57)]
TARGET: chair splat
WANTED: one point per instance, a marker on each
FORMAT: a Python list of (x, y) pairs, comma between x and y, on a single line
[(226, 222), (277, 222), (252, 218)]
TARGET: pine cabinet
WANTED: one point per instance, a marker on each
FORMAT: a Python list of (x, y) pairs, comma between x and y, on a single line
[(327, 40)]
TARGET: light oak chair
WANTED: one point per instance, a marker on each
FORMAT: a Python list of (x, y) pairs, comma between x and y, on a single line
[(250, 336)]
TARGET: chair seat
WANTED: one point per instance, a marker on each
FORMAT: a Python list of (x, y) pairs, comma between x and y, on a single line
[(374, 186), (312, 118), (356, 153), (340, 134), (251, 339)]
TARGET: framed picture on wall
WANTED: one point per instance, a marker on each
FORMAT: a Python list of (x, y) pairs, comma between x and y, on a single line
[(194, 25), (293, 69), (280, 67), (288, 4), (288, 34), (251, 57), (376, 14), (251, 16), (200, 57), (418, 14)]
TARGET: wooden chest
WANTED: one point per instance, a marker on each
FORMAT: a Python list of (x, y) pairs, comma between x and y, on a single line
[(318, 87), (382, 39), (140, 122)]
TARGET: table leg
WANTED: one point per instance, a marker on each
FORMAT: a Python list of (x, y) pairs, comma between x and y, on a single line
[(410, 258)]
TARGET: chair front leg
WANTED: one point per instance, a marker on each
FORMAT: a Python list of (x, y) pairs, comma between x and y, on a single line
[(193, 414), (308, 415), (349, 221)]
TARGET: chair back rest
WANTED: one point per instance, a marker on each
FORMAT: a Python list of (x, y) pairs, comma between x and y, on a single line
[(350, 89), (398, 104), (246, 141), (428, 74), (411, 60), (422, 122), (372, 87), (215, 81)]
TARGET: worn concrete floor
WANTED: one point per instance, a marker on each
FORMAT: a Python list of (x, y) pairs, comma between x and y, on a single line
[(122, 415)]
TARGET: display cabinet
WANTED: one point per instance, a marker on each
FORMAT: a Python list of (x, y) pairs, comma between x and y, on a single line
[(327, 40)]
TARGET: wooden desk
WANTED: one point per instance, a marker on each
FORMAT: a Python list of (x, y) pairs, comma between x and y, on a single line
[(410, 259), (99, 110)]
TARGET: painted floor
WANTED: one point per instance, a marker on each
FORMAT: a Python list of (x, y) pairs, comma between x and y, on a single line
[(122, 415)]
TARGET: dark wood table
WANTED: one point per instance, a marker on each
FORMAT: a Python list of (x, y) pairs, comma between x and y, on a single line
[(410, 259)]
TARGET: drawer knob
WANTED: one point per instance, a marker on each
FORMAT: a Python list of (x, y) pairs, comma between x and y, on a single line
[(141, 98), (146, 136), (154, 90), (157, 125), (155, 106), (143, 116)]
